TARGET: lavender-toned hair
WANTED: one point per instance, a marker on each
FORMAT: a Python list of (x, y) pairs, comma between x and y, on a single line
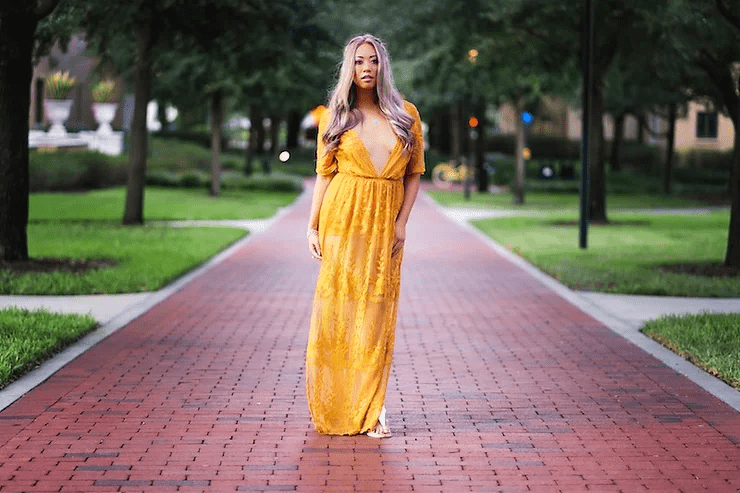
[(344, 114)]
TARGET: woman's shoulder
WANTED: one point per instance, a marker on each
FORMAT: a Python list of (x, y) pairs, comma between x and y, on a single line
[(411, 109), (324, 115)]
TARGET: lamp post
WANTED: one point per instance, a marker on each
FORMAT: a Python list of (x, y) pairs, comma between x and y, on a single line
[(587, 49)]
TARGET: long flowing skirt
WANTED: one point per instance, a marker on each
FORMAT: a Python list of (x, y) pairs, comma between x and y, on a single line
[(350, 346)]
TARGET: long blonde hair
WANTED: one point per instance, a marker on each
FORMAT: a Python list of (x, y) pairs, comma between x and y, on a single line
[(344, 113)]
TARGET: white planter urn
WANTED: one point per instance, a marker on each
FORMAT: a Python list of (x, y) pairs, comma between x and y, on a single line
[(57, 110), (104, 114)]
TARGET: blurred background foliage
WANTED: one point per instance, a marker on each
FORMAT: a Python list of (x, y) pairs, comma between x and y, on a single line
[(272, 64)]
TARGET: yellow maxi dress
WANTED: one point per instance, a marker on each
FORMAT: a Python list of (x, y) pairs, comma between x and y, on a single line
[(353, 324)]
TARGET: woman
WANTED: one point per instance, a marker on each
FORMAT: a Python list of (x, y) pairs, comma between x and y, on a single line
[(370, 155)]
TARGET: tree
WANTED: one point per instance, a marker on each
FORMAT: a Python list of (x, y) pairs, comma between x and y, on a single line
[(158, 26), (18, 24), (731, 13), (706, 34), (647, 79), (444, 71), (555, 28), (521, 76)]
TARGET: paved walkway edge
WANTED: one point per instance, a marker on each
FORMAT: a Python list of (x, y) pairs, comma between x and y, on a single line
[(35, 377), (629, 331)]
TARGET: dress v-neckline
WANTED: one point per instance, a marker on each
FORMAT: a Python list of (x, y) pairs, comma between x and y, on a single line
[(367, 153)]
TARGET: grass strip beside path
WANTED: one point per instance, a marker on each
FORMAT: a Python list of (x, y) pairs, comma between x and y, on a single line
[(161, 204), (147, 258), (553, 202), (86, 227), (623, 257), (29, 337), (710, 341)]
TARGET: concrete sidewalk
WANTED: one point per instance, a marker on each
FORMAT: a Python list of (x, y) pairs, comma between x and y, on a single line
[(500, 383)]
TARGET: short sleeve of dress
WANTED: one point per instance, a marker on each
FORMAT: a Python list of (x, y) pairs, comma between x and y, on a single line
[(416, 162), (326, 164)]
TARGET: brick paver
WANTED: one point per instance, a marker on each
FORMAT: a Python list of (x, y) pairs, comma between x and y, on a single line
[(498, 385)]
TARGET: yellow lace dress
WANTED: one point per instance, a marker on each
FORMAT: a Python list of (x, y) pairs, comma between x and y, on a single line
[(353, 324)]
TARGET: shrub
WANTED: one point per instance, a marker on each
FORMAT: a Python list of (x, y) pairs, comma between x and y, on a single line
[(542, 146), (703, 176), (162, 178), (194, 179), (74, 170), (274, 182), (176, 155), (202, 138), (704, 158), (560, 149), (635, 155)]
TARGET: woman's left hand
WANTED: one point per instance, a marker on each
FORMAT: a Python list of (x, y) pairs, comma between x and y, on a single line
[(399, 238)]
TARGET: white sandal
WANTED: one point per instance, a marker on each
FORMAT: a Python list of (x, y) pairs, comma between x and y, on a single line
[(381, 429)]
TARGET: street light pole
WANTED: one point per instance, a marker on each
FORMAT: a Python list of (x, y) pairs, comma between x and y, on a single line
[(587, 49)]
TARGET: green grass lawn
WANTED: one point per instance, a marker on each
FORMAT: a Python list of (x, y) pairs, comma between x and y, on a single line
[(159, 204), (87, 226), (29, 337), (556, 202), (622, 257), (710, 341), (147, 258)]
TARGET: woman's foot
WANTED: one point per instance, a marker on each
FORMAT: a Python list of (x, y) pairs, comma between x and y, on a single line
[(381, 429)]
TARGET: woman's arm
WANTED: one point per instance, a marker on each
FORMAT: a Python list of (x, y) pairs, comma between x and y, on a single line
[(319, 189), (410, 191)]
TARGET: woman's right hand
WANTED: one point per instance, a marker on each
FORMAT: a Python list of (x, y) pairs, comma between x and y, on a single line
[(313, 244)]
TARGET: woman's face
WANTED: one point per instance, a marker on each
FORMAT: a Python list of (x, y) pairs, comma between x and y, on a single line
[(366, 66)]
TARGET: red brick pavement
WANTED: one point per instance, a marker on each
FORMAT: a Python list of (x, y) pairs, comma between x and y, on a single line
[(498, 385)]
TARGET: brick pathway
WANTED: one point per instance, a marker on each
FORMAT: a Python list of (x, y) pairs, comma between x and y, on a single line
[(498, 385)]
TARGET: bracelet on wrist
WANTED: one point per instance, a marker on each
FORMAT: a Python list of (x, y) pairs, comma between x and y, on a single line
[(312, 232)]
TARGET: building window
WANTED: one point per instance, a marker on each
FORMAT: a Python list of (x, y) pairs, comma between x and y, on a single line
[(706, 125)]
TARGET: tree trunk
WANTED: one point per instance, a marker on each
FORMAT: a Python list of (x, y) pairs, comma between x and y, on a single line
[(258, 127), (294, 129), (144, 34), (255, 115), (670, 146), (520, 162), (440, 134), (732, 258), (456, 132), (616, 160), (274, 135), (162, 116), (597, 191), (641, 129), (17, 30), (481, 175), (217, 117)]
